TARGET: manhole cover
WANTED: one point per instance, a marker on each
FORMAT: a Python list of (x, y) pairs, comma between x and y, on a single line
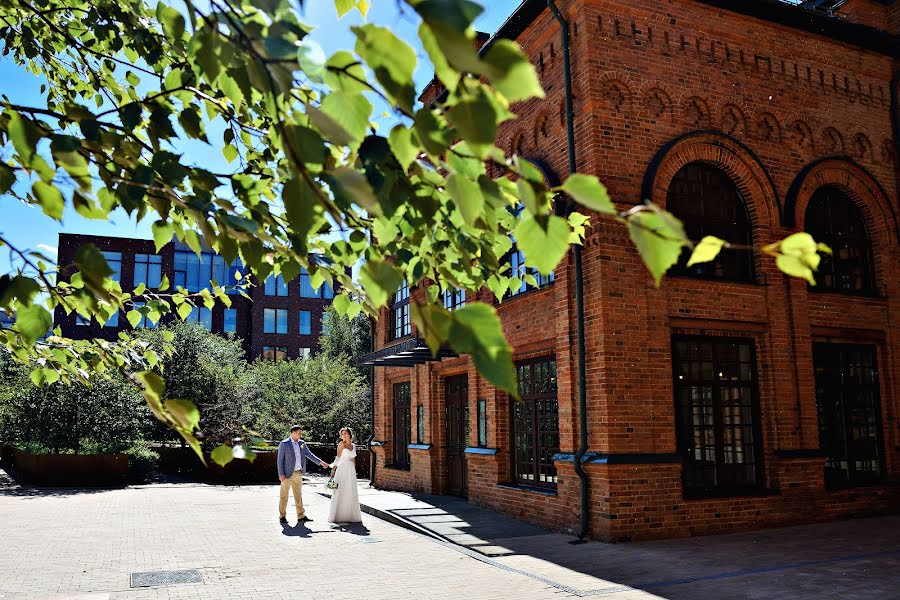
[(370, 540), (155, 578)]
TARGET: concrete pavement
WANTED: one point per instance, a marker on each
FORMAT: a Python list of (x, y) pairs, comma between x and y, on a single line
[(88, 544)]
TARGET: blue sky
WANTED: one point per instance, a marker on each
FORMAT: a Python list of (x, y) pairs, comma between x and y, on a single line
[(27, 227)]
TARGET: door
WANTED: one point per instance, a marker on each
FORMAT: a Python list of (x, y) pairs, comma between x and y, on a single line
[(456, 409)]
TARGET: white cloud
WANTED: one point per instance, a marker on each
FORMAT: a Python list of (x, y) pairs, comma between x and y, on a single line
[(49, 249)]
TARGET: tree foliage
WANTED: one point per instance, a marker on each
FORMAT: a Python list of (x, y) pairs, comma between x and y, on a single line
[(343, 336), (130, 82)]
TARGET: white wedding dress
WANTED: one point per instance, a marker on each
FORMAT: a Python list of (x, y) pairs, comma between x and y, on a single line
[(345, 499)]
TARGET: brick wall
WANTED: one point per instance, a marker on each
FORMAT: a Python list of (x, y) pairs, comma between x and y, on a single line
[(782, 112)]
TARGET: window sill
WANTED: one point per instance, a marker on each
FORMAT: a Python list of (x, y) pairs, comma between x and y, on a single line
[(729, 493), (846, 487), (529, 489), (742, 282), (394, 467), (507, 299), (846, 294)]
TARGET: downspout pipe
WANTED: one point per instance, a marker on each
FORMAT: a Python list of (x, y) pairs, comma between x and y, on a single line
[(373, 459), (579, 284)]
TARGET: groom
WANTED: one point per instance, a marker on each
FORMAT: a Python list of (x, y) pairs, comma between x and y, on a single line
[(292, 455)]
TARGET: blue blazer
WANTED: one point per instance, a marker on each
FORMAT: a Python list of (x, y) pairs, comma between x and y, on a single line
[(287, 461)]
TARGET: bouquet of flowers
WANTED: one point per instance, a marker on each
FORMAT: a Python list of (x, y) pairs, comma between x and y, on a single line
[(332, 484)]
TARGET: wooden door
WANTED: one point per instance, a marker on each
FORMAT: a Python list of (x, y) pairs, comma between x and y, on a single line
[(457, 418)]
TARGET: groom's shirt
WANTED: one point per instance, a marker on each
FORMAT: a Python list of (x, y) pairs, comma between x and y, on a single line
[(298, 463)]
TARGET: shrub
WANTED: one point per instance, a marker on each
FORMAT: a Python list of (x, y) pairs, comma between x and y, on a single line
[(142, 461)]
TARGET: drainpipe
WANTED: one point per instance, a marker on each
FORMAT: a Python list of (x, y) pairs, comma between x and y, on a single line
[(373, 459), (895, 118), (579, 283)]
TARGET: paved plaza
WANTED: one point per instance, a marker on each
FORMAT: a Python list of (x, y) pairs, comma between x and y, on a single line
[(225, 542)]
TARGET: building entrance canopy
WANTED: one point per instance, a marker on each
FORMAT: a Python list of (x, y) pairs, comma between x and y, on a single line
[(407, 353)]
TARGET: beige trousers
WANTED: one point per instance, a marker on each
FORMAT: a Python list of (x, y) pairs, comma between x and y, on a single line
[(294, 483)]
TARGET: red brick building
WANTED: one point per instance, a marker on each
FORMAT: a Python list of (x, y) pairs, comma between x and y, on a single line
[(281, 321), (732, 397)]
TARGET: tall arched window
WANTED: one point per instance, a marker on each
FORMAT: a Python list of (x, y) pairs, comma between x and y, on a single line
[(834, 219), (709, 203)]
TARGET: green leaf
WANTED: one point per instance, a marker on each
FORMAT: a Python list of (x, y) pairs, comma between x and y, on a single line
[(476, 329), (351, 112), (476, 119), (432, 322), (391, 60), (589, 192), (7, 178), (221, 455), (131, 115), (24, 136), (543, 244), (659, 238), (184, 413), (400, 140), (511, 73), (163, 231), (442, 69), (433, 132), (92, 266), (795, 267), (345, 73), (380, 280), (184, 310), (312, 59), (706, 250), (230, 152), (50, 199), (467, 197), (798, 255), (349, 186), (33, 321), (345, 6), (134, 317), (65, 152), (305, 145), (172, 21)]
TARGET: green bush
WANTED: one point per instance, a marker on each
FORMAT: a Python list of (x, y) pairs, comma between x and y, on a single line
[(142, 461), (324, 393)]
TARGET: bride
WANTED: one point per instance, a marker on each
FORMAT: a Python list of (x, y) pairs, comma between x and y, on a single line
[(345, 499)]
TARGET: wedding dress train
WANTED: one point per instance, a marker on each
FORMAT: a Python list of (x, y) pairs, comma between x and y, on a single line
[(344, 506)]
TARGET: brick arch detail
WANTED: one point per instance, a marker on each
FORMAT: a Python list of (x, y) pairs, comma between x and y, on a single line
[(865, 191), (617, 89), (543, 122), (728, 154), (768, 121)]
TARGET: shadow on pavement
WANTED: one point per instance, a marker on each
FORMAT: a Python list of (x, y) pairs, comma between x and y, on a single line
[(856, 558), (299, 530), (354, 528)]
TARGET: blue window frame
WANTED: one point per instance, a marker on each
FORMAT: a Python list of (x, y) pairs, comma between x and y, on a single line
[(147, 270), (202, 315), (305, 322), (230, 325), (275, 320), (114, 260), (276, 286)]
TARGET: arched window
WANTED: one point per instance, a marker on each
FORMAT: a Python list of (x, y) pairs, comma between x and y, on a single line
[(709, 203), (834, 219)]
